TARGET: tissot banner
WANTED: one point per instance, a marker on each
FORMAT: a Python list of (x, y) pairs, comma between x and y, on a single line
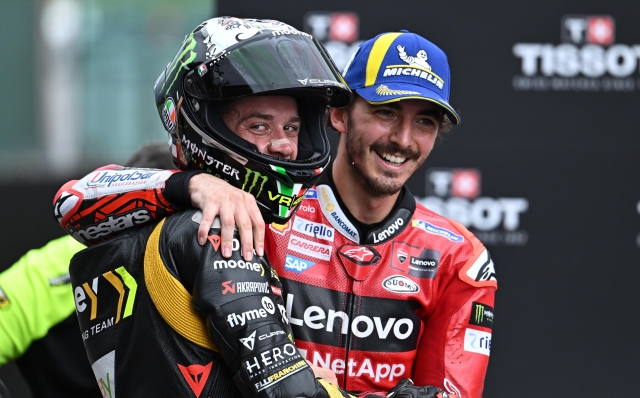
[(544, 169)]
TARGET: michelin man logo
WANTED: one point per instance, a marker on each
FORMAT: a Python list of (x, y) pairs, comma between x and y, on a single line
[(419, 60)]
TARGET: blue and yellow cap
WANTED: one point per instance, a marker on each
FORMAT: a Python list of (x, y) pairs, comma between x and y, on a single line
[(401, 65)]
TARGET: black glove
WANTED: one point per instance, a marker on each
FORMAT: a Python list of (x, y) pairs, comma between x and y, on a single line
[(406, 389), (246, 318)]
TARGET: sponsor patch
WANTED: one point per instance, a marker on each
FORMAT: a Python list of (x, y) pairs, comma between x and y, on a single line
[(415, 261), (60, 280), (335, 215), (314, 229), (311, 194), (111, 225), (481, 272), (195, 375), (280, 229), (360, 255), (309, 248), (432, 229), (477, 341), (481, 315), (400, 284), (296, 264)]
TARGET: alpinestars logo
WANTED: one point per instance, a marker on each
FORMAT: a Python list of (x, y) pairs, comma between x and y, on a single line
[(587, 59), (111, 225), (249, 341), (360, 255)]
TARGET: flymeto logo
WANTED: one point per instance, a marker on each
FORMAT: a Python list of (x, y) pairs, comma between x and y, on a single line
[(253, 180)]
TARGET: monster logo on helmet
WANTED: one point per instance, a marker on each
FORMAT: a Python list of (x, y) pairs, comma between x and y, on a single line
[(228, 58)]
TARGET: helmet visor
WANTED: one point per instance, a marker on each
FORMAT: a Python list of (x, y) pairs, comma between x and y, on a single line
[(272, 61)]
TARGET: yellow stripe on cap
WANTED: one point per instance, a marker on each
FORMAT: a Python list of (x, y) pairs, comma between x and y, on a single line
[(171, 299), (378, 51)]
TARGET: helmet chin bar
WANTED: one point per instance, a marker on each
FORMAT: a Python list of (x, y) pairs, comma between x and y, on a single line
[(207, 140)]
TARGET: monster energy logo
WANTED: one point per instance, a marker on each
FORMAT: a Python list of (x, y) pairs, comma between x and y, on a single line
[(257, 179), (481, 315), (185, 56)]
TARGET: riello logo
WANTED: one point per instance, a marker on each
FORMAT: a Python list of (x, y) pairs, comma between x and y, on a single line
[(587, 59)]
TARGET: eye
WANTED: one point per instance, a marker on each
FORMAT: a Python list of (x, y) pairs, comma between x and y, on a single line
[(259, 128), (385, 113), (291, 130)]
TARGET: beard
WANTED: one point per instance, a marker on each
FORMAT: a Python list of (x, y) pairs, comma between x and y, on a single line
[(389, 183)]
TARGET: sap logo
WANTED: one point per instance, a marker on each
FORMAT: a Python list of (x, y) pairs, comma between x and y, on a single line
[(313, 229), (400, 284), (296, 264), (361, 326), (271, 357), (247, 265), (389, 231), (112, 225), (234, 320), (432, 229), (477, 341), (309, 248), (366, 368)]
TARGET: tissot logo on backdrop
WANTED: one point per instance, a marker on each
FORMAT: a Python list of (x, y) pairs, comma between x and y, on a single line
[(455, 193), (337, 31), (587, 59)]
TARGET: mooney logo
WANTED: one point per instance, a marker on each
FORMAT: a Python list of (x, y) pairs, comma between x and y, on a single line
[(481, 315), (255, 267), (253, 179)]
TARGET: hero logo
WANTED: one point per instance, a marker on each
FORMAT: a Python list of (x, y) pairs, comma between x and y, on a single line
[(313, 229), (296, 264), (309, 248), (477, 341), (111, 225), (587, 60), (454, 193), (274, 356), (400, 284), (234, 320), (361, 326)]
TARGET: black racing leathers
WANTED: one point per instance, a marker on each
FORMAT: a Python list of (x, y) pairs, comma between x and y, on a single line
[(162, 316)]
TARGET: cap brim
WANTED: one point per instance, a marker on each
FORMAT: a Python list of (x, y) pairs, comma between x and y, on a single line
[(392, 92)]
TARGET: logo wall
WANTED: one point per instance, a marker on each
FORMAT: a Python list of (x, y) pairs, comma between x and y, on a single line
[(455, 194), (587, 59), (337, 31)]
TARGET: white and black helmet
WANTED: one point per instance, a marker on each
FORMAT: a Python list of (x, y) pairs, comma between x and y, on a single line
[(226, 58)]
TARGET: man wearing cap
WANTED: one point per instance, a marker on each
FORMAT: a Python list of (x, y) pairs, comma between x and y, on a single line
[(377, 287)]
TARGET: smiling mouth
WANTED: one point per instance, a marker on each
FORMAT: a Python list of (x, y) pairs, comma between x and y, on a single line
[(392, 159)]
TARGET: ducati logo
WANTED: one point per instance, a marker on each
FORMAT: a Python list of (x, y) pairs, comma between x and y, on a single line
[(248, 341), (402, 255)]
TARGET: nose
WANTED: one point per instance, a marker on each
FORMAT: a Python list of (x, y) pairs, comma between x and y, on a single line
[(279, 144), (402, 136)]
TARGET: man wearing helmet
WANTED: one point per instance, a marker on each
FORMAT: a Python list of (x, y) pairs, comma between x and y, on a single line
[(161, 315), (377, 288)]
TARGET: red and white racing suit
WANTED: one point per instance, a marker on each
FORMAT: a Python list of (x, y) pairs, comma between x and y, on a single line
[(411, 296)]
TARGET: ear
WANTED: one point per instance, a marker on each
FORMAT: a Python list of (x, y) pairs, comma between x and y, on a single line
[(338, 117)]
